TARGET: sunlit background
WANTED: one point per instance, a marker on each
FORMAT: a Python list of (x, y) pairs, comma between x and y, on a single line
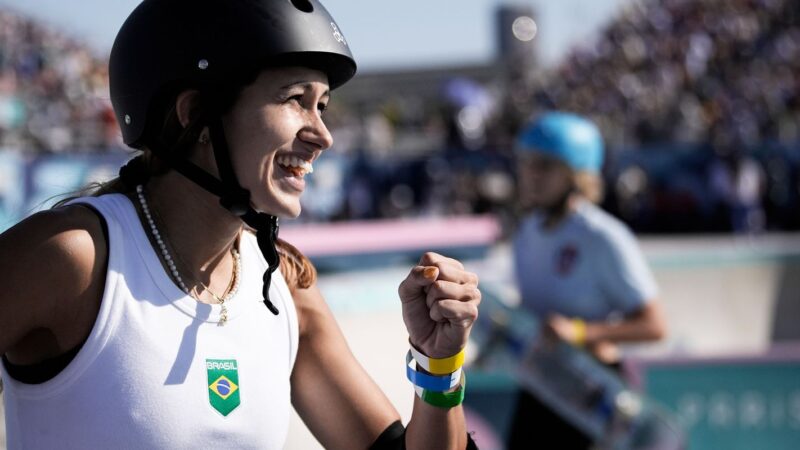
[(699, 105)]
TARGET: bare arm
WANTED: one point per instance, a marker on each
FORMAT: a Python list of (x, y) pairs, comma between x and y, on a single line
[(646, 324), (440, 304), (53, 271), (333, 394), (436, 428), (338, 401)]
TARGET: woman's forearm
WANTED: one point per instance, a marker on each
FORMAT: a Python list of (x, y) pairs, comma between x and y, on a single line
[(436, 428)]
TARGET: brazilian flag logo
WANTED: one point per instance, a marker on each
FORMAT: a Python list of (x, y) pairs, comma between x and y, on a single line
[(223, 384)]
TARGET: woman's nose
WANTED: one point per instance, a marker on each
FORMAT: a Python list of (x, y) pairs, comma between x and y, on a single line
[(316, 133)]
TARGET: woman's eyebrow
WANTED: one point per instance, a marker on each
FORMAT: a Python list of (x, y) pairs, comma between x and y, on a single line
[(305, 85)]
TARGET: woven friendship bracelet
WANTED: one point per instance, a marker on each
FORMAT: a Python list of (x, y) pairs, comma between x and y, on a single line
[(439, 366), (444, 399), (437, 383)]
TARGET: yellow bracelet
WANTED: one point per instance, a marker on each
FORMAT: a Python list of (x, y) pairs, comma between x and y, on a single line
[(439, 366), (579, 325)]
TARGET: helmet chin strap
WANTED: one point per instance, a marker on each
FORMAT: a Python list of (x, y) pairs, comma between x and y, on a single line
[(236, 199), (232, 197), (266, 227)]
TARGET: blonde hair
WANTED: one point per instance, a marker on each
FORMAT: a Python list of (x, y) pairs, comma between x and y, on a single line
[(589, 185)]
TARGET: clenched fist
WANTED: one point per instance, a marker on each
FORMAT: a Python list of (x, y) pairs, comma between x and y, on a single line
[(440, 304)]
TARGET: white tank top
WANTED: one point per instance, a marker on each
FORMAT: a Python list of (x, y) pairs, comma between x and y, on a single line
[(157, 371)]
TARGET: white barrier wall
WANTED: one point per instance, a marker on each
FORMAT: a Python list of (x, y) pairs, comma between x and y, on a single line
[(725, 295)]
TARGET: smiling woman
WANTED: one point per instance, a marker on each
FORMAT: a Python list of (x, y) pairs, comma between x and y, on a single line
[(278, 130), (136, 315)]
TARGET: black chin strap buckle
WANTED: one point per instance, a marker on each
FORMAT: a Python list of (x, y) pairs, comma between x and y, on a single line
[(237, 202)]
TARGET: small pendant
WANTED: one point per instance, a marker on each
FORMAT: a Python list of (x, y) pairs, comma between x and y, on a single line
[(223, 316)]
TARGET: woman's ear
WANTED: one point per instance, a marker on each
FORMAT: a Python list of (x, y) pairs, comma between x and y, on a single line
[(186, 106)]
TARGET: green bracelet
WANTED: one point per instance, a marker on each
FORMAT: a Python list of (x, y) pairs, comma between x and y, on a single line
[(444, 399)]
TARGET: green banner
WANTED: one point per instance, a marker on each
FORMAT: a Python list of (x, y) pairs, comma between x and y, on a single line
[(223, 384), (732, 405)]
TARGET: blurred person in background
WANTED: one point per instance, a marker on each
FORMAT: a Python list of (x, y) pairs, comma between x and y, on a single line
[(149, 314), (737, 181), (578, 268)]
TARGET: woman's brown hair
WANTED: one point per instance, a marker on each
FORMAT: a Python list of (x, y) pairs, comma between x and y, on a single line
[(146, 163), (296, 268)]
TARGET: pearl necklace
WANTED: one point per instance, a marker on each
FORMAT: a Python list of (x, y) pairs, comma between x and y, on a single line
[(237, 261)]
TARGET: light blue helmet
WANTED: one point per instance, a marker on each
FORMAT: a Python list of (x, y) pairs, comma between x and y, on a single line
[(568, 137)]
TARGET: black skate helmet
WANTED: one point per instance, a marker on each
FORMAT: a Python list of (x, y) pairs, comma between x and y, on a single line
[(216, 47)]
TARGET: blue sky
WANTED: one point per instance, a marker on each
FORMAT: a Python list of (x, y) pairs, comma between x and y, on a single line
[(382, 33)]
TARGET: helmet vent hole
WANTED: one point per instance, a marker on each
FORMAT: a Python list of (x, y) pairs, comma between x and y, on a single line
[(303, 5)]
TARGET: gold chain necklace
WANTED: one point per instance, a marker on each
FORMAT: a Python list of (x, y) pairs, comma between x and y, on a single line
[(160, 241), (232, 289)]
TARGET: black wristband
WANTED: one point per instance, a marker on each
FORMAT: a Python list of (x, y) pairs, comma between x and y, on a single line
[(394, 438)]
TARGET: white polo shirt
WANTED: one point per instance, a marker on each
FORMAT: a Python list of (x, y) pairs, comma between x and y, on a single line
[(589, 266)]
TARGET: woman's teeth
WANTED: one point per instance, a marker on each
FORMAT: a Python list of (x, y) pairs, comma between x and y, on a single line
[(294, 165)]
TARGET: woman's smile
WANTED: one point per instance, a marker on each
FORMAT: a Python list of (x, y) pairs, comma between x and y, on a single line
[(290, 174)]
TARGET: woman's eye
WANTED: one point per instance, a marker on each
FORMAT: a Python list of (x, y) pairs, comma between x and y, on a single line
[(300, 100)]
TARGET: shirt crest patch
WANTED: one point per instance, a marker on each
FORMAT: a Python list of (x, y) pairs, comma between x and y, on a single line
[(566, 258), (223, 384)]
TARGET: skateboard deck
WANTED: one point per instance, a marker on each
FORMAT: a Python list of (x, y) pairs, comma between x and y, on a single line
[(570, 381)]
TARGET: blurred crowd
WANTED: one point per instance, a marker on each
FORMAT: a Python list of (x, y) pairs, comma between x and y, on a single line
[(53, 91), (698, 100), (679, 71)]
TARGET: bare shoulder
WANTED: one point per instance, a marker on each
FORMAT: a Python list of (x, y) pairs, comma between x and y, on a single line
[(60, 243), (313, 313), (53, 267)]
